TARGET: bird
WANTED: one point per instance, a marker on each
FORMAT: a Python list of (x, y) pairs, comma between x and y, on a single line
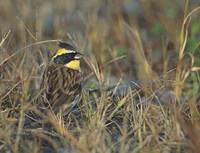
[(61, 83)]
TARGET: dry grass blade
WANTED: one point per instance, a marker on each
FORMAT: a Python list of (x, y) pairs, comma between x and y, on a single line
[(194, 69), (59, 125), (140, 63), (28, 46), (4, 96), (190, 125), (19, 131), (183, 38), (145, 142), (4, 38)]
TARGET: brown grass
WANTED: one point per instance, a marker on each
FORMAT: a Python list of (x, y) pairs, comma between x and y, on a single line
[(139, 47)]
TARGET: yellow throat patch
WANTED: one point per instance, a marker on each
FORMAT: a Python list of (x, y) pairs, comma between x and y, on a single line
[(74, 64)]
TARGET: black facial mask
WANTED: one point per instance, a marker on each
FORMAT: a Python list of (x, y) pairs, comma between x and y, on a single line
[(64, 58)]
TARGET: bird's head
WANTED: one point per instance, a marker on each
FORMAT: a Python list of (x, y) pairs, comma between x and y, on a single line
[(67, 56)]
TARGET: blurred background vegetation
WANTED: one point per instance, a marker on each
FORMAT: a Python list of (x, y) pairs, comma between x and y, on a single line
[(127, 40), (105, 29), (101, 26)]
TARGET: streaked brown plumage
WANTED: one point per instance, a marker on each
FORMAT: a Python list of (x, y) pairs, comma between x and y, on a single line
[(61, 85)]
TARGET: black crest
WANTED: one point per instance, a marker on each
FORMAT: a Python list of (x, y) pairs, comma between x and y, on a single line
[(65, 45)]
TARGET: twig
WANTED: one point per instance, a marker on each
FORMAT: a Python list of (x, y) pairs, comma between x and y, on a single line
[(28, 46), (19, 130)]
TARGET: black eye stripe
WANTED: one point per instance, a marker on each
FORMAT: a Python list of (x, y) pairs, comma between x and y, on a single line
[(64, 58)]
